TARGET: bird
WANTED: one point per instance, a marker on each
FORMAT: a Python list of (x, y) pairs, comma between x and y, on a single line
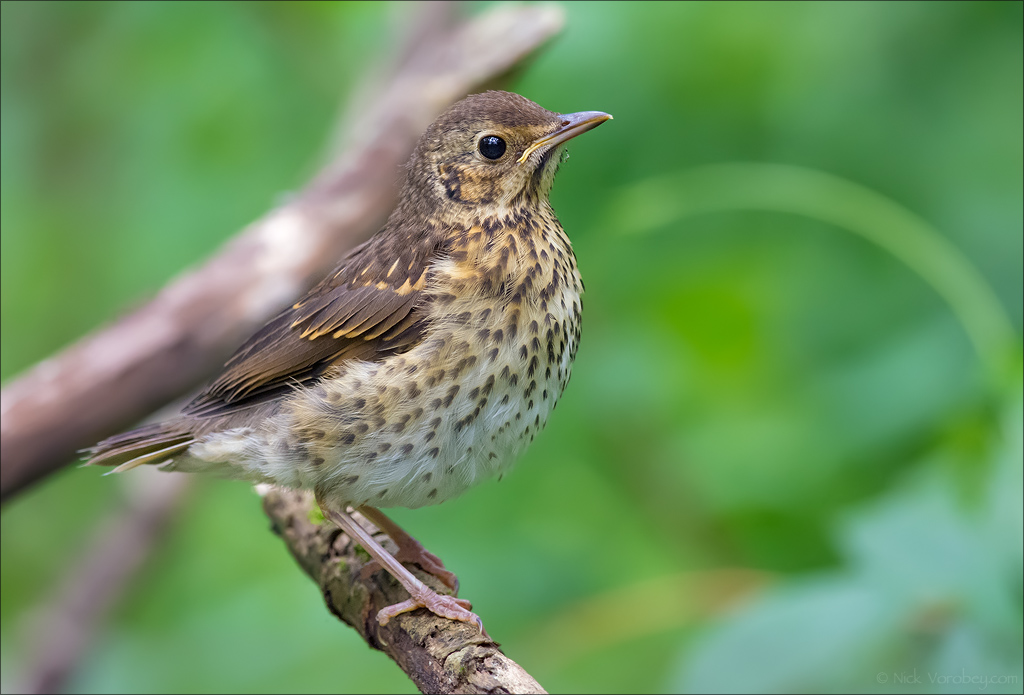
[(424, 363)]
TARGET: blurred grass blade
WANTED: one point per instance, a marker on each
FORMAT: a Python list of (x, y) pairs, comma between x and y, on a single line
[(850, 206)]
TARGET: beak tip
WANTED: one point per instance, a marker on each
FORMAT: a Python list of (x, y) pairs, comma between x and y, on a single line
[(573, 124)]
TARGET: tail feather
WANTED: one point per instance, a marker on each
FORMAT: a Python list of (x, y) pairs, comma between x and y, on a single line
[(157, 443)]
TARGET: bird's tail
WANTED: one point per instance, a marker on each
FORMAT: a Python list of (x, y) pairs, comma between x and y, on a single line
[(154, 444)]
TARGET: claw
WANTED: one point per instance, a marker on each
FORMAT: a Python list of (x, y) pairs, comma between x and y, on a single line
[(444, 606)]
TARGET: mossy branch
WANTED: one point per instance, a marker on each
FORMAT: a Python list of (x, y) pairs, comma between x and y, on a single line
[(439, 655)]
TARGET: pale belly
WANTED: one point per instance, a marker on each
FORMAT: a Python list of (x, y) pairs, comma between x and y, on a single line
[(418, 428)]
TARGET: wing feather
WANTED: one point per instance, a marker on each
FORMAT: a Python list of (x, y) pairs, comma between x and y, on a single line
[(371, 306)]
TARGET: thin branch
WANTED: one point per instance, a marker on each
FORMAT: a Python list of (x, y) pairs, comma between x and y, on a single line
[(61, 630), (165, 349), (439, 655)]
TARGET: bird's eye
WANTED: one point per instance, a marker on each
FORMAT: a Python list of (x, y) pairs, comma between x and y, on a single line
[(491, 146)]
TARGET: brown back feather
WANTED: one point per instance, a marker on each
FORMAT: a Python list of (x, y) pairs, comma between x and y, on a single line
[(371, 306)]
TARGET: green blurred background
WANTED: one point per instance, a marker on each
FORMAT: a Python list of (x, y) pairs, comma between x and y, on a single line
[(790, 455)]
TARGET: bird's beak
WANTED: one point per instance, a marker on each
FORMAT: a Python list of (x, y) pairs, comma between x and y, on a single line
[(572, 125)]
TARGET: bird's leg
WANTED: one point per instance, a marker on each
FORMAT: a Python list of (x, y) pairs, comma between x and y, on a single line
[(409, 550), (421, 595)]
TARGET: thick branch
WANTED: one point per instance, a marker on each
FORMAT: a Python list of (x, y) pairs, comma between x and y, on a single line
[(440, 656), (118, 374)]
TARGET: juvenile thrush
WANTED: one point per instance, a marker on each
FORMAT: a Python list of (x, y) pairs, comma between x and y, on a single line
[(424, 363)]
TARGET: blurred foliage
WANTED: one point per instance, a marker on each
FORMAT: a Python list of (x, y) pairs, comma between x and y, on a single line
[(759, 394)]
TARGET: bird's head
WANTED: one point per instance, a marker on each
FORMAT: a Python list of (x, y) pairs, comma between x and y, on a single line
[(493, 150)]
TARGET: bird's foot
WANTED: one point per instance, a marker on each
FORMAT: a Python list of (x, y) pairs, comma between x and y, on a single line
[(440, 605), (412, 551), (422, 596), (409, 550)]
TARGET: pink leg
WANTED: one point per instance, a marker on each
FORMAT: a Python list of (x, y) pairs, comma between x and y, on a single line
[(409, 550), (422, 596)]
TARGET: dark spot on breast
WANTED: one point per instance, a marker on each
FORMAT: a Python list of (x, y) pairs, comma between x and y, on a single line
[(474, 393), (407, 449), (318, 461), (430, 435), (347, 437), (452, 392), (432, 453), (432, 494), (350, 480), (359, 403), (362, 428), (413, 390), (428, 475)]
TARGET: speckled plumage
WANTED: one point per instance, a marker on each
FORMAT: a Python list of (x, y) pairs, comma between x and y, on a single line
[(431, 356)]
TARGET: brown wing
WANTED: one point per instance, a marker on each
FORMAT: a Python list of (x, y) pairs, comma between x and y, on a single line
[(371, 306)]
